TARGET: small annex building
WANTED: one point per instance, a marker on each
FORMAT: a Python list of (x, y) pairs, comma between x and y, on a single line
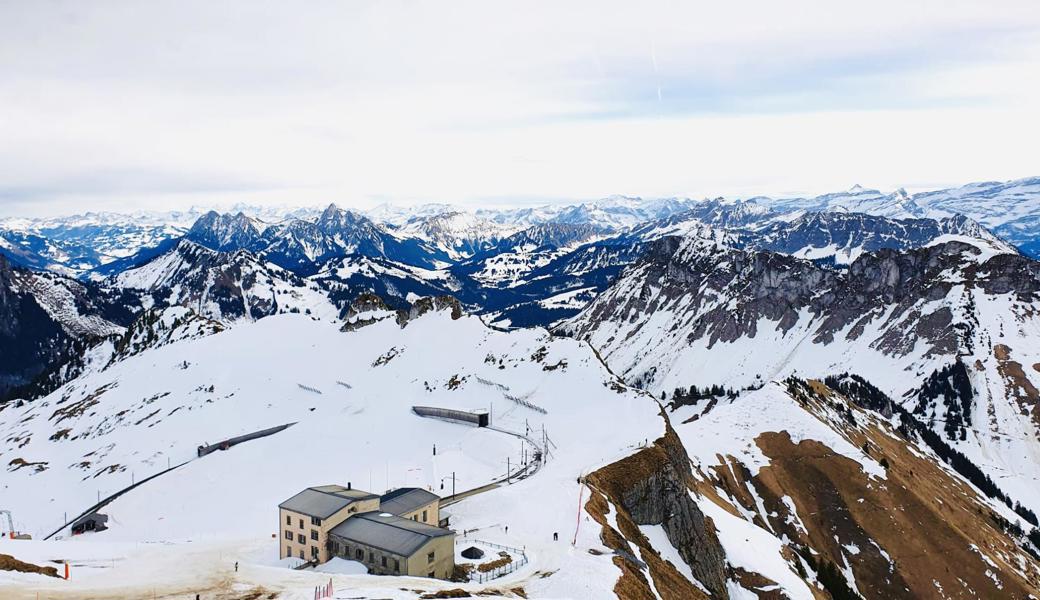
[(398, 533), (391, 545)]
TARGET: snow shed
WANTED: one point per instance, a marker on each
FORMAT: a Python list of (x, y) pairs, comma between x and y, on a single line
[(478, 417), (91, 522)]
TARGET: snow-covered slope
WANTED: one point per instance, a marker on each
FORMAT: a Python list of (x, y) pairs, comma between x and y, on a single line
[(813, 493), (349, 397), (694, 313)]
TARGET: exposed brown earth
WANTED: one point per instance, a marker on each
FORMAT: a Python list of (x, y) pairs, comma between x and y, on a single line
[(19, 463), (494, 564), (452, 593), (10, 563), (924, 518), (76, 409), (1018, 384)]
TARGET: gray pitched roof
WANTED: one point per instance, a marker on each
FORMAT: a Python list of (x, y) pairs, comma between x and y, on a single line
[(387, 532), (405, 500), (324, 501)]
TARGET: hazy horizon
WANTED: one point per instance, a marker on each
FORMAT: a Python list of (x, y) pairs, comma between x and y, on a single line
[(157, 106)]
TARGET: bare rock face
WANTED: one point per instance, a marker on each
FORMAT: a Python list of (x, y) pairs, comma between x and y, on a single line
[(435, 303), (719, 294), (652, 487), (369, 308)]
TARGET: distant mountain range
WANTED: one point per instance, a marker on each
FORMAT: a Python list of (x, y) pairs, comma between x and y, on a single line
[(530, 266), (846, 384)]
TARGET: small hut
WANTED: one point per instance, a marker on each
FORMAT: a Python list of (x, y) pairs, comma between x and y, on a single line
[(91, 522)]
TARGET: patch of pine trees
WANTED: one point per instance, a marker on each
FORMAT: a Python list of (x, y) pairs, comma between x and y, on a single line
[(692, 395), (865, 395)]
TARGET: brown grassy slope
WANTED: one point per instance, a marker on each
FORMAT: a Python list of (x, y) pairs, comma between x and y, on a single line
[(925, 518), (10, 563)]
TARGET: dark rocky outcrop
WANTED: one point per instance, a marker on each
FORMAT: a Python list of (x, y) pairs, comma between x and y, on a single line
[(653, 487), (36, 343), (368, 309), (727, 292)]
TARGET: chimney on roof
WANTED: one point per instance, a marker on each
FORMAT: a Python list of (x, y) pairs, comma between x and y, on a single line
[(348, 485)]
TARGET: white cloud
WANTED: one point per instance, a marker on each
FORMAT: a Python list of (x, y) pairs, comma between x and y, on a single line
[(150, 104)]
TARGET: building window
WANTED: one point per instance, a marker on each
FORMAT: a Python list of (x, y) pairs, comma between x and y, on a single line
[(288, 535), (314, 534), (371, 557), (301, 539), (314, 552), (431, 574), (288, 520), (301, 523), (360, 554), (429, 558), (301, 552), (288, 551), (424, 516), (316, 521), (415, 517), (397, 566), (384, 562)]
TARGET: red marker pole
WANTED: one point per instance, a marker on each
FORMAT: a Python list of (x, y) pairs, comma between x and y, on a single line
[(66, 570)]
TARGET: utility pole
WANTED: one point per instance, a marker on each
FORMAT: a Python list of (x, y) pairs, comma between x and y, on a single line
[(453, 484)]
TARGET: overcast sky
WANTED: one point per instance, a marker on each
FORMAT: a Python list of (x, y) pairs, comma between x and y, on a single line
[(155, 105)]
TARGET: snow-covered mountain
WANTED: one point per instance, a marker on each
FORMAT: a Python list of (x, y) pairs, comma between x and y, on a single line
[(692, 312), (77, 244), (457, 234), (795, 490), (127, 421), (225, 286), (301, 245), (1011, 209), (46, 320)]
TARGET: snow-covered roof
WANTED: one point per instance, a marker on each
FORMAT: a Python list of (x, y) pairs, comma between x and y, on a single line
[(324, 501), (388, 532)]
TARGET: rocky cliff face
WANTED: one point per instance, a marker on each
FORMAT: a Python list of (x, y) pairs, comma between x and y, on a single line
[(692, 312), (653, 487)]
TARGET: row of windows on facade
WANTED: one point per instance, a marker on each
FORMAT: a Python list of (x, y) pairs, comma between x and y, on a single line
[(314, 521), (314, 551), (302, 539), (359, 554)]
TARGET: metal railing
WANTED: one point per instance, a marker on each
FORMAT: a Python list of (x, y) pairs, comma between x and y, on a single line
[(512, 565), (505, 569)]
